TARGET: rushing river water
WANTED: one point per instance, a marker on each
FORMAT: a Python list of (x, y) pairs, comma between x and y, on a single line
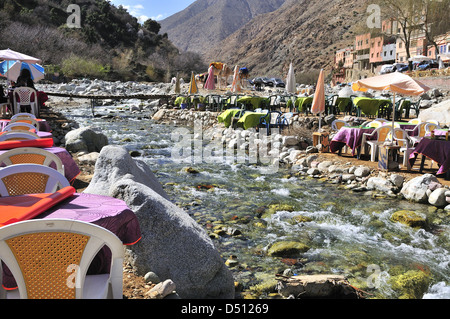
[(347, 233)]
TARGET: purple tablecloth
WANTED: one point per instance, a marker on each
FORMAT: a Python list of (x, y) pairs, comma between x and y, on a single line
[(107, 212), (71, 169), (43, 125), (350, 136), (437, 150)]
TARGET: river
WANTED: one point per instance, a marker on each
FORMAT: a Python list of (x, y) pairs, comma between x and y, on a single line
[(347, 233)]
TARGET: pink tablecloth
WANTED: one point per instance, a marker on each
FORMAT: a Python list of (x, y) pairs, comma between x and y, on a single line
[(437, 150), (107, 212), (350, 136), (71, 168)]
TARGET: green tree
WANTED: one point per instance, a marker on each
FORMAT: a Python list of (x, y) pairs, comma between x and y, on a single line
[(152, 26)]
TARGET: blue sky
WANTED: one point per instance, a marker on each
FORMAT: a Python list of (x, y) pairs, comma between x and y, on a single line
[(154, 9)]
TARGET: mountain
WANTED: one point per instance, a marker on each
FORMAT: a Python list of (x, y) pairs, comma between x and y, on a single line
[(306, 32), (268, 35), (207, 22)]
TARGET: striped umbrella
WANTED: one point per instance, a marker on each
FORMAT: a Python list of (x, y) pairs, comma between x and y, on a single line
[(12, 69)]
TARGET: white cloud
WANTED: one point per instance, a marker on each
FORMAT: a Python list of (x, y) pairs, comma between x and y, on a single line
[(158, 17)]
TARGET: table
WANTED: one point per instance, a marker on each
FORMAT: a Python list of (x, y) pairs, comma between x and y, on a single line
[(107, 212), (250, 119), (302, 103), (344, 104), (255, 101), (435, 149), (227, 116), (368, 106), (350, 136), (44, 126), (71, 168)]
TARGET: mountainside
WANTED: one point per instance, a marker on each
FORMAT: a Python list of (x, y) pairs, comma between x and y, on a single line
[(205, 23), (306, 32), (110, 42)]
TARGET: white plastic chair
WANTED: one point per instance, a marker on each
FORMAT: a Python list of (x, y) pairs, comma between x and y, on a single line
[(66, 248), (25, 94), (23, 115), (337, 124), (21, 179), (17, 136), (382, 133), (18, 126), (415, 121), (406, 147), (31, 155), (29, 120), (422, 130), (374, 124)]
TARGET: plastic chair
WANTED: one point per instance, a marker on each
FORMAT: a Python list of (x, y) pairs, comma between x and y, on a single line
[(17, 136), (23, 115), (24, 179), (415, 121), (28, 120), (19, 126), (49, 259), (382, 133), (24, 94), (337, 124), (374, 124), (406, 147), (422, 131), (31, 155)]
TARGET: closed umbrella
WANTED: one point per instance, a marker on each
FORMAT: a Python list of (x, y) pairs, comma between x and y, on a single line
[(177, 85), (318, 104), (210, 85), (193, 85), (394, 82), (236, 86), (13, 71), (290, 80)]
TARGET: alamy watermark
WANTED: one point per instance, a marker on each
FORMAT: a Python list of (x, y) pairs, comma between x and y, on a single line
[(74, 19), (253, 148)]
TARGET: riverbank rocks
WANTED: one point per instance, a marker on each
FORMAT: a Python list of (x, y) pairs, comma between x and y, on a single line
[(114, 163), (86, 140), (416, 189), (287, 249), (317, 286), (409, 218)]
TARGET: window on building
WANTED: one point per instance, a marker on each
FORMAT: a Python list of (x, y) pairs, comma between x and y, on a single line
[(400, 44), (391, 53), (385, 53)]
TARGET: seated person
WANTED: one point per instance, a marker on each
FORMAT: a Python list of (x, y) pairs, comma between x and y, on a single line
[(25, 79)]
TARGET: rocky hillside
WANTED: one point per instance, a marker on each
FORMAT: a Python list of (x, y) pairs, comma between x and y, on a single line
[(303, 31), (205, 23)]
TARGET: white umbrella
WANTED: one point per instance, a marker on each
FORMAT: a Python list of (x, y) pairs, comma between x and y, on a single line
[(290, 80)]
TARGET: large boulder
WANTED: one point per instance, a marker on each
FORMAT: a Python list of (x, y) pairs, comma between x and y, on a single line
[(416, 189), (113, 164), (173, 245), (440, 112), (85, 139)]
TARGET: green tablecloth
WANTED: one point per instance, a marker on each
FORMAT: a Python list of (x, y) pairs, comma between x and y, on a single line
[(180, 100), (369, 106), (250, 119), (227, 116), (342, 103), (255, 101), (302, 102)]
